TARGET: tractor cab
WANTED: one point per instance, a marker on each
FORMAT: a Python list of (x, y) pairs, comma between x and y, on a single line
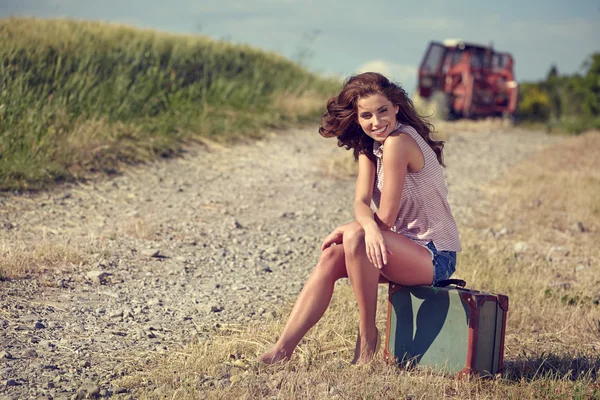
[(471, 80)]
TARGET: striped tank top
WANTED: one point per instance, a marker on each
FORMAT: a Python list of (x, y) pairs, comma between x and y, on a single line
[(424, 214)]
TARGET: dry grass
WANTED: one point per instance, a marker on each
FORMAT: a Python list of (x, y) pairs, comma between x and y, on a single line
[(553, 333), (298, 103), (18, 261)]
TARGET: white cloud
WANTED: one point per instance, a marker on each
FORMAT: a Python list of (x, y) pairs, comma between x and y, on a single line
[(401, 73)]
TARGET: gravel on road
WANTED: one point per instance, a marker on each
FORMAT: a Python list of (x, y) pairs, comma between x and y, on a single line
[(173, 249)]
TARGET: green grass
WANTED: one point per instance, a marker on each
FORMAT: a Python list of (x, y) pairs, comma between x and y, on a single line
[(79, 97)]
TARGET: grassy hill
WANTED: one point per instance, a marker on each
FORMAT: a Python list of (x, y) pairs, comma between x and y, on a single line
[(79, 97)]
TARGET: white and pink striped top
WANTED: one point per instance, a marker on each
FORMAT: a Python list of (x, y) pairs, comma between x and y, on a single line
[(424, 214)]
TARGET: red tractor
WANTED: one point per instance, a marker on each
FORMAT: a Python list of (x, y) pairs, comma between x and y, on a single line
[(465, 80)]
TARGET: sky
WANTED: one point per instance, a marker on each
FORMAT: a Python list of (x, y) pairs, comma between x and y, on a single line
[(343, 37)]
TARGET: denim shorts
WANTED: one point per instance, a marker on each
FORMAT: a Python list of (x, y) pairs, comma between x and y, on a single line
[(444, 263)]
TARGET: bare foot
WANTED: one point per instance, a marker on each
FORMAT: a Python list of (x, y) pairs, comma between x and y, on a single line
[(366, 348), (274, 356)]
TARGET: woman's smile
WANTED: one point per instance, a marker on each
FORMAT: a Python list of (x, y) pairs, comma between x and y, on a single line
[(380, 131)]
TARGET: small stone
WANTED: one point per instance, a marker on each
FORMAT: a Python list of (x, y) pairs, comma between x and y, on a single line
[(90, 389), (6, 355), (39, 325), (48, 385), (561, 285), (502, 232), (216, 308), (36, 365), (11, 382), (150, 334), (152, 253), (560, 250), (46, 344), (119, 390), (98, 276), (580, 227), (520, 247), (579, 268), (154, 302), (235, 224), (240, 364), (30, 353), (262, 267), (161, 349)]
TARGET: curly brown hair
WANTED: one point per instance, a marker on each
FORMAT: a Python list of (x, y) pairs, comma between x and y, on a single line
[(340, 120)]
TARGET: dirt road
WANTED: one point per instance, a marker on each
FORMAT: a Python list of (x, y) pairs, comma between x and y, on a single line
[(161, 254)]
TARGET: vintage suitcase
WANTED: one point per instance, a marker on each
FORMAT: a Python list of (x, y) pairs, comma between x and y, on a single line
[(446, 328)]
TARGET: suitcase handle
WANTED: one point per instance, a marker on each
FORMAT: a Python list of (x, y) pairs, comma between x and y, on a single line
[(448, 282)]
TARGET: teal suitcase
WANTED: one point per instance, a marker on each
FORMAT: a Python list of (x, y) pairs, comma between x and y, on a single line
[(449, 329)]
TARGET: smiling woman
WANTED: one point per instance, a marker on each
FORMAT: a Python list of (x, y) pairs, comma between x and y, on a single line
[(410, 239)]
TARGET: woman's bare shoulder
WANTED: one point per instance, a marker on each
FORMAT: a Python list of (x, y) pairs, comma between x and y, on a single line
[(401, 140)]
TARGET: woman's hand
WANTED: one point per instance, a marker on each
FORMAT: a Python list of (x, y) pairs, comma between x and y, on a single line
[(376, 247), (334, 237)]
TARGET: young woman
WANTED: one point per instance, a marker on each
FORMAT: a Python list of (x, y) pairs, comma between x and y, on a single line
[(410, 239)]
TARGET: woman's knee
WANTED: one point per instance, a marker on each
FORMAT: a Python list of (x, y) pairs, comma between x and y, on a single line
[(354, 238), (332, 263)]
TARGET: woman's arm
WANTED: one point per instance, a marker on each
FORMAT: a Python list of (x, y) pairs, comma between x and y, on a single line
[(397, 153), (363, 193), (375, 246)]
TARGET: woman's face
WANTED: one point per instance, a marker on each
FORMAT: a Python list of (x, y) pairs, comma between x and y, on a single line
[(376, 116)]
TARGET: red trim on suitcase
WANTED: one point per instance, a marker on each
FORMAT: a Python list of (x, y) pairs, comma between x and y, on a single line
[(473, 336), (503, 302), (501, 357), (387, 356)]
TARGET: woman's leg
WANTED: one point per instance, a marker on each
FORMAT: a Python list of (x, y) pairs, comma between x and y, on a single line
[(409, 264), (310, 305), (364, 278)]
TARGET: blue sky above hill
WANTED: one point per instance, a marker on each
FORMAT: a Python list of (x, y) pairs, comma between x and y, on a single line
[(343, 37)]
